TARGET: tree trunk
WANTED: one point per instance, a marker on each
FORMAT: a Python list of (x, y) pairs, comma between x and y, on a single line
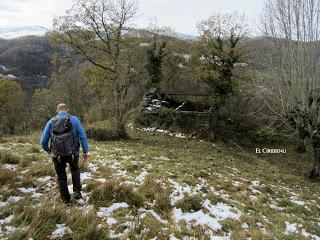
[(212, 125), (302, 147), (315, 173), (121, 128)]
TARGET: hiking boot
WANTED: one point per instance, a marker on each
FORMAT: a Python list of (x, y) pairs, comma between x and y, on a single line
[(77, 195)]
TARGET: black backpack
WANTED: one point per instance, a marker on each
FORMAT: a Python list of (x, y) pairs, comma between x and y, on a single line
[(63, 142)]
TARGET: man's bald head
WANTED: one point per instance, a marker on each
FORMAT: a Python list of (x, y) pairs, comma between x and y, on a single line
[(62, 107)]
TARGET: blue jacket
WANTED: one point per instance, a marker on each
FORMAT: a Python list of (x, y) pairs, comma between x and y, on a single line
[(78, 132)]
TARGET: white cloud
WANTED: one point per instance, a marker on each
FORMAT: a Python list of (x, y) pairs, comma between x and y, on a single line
[(32, 12), (182, 15)]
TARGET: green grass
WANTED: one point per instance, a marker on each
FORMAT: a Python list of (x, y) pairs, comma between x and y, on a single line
[(39, 169), (6, 177), (224, 172), (9, 158), (111, 191)]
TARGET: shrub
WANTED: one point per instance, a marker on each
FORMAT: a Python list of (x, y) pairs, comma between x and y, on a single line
[(190, 203), (104, 131), (9, 158), (6, 176), (41, 169), (265, 134), (114, 191), (33, 149), (153, 191), (44, 218)]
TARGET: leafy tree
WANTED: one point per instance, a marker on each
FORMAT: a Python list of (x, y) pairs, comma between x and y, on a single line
[(96, 30), (11, 106), (218, 51), (155, 55)]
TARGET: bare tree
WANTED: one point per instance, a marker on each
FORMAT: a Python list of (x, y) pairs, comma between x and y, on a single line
[(292, 31), (98, 30)]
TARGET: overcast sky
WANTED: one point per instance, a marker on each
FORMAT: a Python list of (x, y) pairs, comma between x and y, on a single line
[(182, 15)]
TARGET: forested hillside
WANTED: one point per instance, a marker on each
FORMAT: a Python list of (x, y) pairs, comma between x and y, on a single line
[(28, 59)]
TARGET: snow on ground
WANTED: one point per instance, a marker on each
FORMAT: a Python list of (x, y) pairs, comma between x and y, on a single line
[(162, 158), (295, 200), (199, 217), (111, 221), (6, 220), (85, 176), (61, 230), (179, 191), (221, 211), (142, 176), (210, 216), (104, 212), (290, 228), (154, 214), (215, 214), (177, 135), (9, 166), (27, 190)]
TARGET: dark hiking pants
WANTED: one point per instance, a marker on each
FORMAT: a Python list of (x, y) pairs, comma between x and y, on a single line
[(60, 167)]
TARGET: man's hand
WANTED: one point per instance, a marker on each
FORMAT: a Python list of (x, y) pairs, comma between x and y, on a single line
[(85, 156), (49, 151)]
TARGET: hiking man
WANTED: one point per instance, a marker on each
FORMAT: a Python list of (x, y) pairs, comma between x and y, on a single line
[(65, 132)]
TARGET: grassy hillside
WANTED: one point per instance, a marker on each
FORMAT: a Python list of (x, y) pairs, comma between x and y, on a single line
[(163, 186)]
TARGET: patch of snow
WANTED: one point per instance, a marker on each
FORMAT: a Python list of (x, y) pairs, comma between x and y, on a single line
[(11, 76), (6, 220), (36, 195), (142, 176), (27, 190), (61, 230), (92, 167), (3, 67), (2, 204), (173, 237), (44, 179), (144, 44), (309, 235), (180, 191), (85, 176), (162, 158), (255, 183), (111, 221), (253, 198), (10, 229), (219, 237), (200, 218), (177, 135), (295, 200), (155, 215), (10, 166), (236, 183), (104, 212), (245, 225), (14, 199), (221, 211), (290, 228)]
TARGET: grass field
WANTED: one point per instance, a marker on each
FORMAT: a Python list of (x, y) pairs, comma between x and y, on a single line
[(157, 186)]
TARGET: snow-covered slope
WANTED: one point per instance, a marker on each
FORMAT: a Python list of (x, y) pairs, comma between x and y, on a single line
[(10, 32)]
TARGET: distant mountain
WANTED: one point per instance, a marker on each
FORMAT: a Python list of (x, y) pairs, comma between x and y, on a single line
[(27, 60), (11, 32), (186, 37)]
